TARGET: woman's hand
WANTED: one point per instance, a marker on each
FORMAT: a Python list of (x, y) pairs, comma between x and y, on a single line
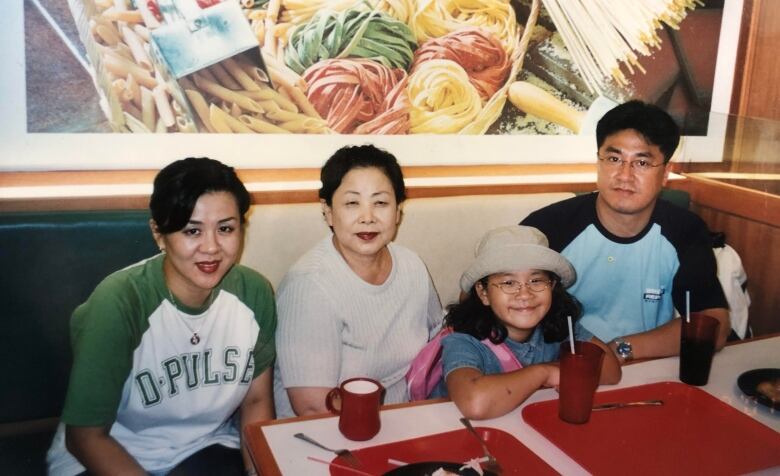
[(99, 452)]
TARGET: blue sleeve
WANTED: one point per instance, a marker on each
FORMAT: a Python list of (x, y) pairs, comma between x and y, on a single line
[(461, 350)]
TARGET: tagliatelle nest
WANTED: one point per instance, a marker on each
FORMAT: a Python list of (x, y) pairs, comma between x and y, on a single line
[(478, 52), (435, 18), (359, 96), (443, 100), (352, 33)]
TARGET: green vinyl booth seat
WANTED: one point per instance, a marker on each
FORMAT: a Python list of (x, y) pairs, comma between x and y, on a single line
[(51, 262)]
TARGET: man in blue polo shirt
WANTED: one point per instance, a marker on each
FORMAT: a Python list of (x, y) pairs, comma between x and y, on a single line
[(635, 255)]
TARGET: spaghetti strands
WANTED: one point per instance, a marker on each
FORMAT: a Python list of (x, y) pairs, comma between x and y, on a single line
[(603, 36), (352, 33), (435, 18), (478, 52), (359, 95), (442, 98)]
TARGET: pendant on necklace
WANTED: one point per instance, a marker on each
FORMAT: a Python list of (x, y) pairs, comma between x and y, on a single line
[(195, 338)]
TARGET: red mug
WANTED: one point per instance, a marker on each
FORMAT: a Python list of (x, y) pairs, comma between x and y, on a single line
[(359, 411)]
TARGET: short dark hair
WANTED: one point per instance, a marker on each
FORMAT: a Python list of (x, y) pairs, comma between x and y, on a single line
[(472, 317), (179, 185), (360, 156), (652, 122)]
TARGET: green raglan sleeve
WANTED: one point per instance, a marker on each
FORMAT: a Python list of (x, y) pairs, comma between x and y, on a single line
[(103, 336), (264, 307)]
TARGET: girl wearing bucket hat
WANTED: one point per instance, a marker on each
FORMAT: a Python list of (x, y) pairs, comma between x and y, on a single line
[(516, 298)]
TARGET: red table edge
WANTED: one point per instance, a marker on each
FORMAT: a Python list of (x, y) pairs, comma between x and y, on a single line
[(260, 451)]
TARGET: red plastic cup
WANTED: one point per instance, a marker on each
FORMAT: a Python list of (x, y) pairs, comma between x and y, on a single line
[(359, 410), (697, 347), (580, 373)]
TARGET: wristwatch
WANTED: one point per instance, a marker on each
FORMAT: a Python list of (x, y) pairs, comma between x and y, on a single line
[(623, 349)]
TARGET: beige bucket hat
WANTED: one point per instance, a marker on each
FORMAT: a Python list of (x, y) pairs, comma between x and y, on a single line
[(510, 248)]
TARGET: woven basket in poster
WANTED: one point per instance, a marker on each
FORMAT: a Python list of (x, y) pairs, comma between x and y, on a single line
[(495, 105)]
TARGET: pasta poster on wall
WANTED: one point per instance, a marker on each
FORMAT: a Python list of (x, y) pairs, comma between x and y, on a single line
[(345, 69)]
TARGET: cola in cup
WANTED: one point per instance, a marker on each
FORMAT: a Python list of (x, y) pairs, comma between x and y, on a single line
[(697, 347)]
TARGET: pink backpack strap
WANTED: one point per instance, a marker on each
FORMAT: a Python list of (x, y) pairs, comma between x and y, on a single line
[(425, 371), (505, 356)]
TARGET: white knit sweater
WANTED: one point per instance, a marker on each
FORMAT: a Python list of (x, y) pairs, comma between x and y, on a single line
[(334, 326)]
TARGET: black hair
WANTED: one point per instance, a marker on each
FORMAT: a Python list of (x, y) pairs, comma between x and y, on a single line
[(472, 317), (360, 156), (653, 123), (179, 185)]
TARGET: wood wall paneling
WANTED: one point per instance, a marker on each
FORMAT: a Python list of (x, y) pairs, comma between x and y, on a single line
[(759, 89), (751, 221), (753, 205), (758, 245), (752, 135)]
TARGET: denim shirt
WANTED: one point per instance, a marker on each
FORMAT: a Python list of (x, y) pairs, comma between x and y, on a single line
[(463, 350)]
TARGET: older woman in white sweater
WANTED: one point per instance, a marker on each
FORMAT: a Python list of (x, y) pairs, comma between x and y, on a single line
[(355, 305)]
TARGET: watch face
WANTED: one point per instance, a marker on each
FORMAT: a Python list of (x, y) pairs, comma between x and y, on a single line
[(624, 349)]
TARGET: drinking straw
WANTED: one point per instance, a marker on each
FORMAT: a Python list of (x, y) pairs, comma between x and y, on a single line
[(687, 306), (571, 335)]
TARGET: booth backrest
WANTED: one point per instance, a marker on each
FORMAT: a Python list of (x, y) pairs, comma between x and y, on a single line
[(444, 231), (51, 262)]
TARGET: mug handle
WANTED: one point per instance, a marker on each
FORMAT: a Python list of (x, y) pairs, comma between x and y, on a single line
[(329, 400)]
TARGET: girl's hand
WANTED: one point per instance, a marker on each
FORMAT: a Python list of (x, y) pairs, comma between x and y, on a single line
[(479, 396), (553, 375)]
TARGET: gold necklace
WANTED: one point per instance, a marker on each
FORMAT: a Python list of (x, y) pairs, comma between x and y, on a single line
[(195, 339)]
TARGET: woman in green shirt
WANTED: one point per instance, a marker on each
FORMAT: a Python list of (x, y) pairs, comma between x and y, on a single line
[(171, 353)]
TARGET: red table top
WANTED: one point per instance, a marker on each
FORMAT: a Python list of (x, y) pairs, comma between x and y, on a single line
[(454, 446), (692, 433)]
